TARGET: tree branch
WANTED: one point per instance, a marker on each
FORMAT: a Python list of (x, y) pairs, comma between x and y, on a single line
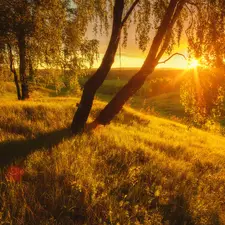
[(172, 57), (192, 19), (129, 12), (166, 42), (196, 5)]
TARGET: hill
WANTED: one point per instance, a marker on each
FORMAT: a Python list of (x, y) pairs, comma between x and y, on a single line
[(138, 170), (160, 94)]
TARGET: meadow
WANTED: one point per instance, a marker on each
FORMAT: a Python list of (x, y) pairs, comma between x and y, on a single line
[(140, 169), (159, 95)]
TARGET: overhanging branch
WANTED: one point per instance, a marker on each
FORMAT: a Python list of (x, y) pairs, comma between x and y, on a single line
[(129, 12), (172, 57), (192, 19), (166, 41)]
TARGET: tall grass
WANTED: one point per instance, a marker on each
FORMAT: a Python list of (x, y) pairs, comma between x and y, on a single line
[(138, 170)]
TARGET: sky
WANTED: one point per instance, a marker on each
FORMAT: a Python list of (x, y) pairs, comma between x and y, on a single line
[(132, 56)]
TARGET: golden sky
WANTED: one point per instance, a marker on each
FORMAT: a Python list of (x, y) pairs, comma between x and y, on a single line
[(132, 56)]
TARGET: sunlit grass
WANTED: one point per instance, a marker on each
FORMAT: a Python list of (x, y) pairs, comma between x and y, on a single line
[(138, 170)]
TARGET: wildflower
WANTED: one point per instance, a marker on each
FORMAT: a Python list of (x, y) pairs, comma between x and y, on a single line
[(14, 174)]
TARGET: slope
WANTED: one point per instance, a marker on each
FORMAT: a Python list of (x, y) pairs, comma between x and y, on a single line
[(138, 170)]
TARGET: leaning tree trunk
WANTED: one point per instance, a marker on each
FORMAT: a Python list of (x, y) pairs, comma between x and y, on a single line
[(157, 49), (22, 67), (116, 104), (13, 70), (92, 85)]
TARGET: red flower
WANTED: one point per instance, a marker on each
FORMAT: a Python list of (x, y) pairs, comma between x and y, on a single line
[(14, 174)]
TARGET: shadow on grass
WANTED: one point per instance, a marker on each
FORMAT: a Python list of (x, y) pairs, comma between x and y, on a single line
[(12, 150)]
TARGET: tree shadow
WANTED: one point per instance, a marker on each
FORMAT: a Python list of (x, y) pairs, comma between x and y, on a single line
[(177, 213), (12, 150)]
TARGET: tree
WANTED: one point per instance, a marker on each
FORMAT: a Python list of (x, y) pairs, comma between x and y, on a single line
[(202, 92), (162, 40), (13, 70), (4, 70), (30, 27), (96, 80), (17, 26), (54, 36), (77, 53), (202, 95), (174, 14)]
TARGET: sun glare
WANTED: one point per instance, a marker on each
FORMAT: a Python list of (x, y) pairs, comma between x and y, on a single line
[(193, 63)]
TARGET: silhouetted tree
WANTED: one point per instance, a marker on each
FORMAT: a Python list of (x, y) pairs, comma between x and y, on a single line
[(174, 14), (96, 80), (166, 15)]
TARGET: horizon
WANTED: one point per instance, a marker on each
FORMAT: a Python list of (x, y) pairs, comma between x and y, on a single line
[(137, 68), (132, 56), (132, 61)]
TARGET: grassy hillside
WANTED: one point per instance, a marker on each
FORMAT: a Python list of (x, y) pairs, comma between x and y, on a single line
[(127, 73), (161, 96), (138, 170)]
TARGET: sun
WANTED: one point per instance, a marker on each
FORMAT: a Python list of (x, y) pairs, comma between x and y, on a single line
[(193, 63)]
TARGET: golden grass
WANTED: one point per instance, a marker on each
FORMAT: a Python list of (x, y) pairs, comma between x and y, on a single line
[(138, 170)]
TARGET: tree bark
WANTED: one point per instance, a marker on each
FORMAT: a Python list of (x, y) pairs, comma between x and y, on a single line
[(116, 104), (13, 70), (22, 67), (92, 85), (136, 82), (31, 70)]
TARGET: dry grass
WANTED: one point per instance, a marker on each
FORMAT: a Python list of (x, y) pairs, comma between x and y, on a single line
[(138, 170)]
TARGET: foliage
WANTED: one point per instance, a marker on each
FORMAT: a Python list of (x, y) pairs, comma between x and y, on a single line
[(53, 33), (206, 32), (4, 76), (146, 20), (202, 95)]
